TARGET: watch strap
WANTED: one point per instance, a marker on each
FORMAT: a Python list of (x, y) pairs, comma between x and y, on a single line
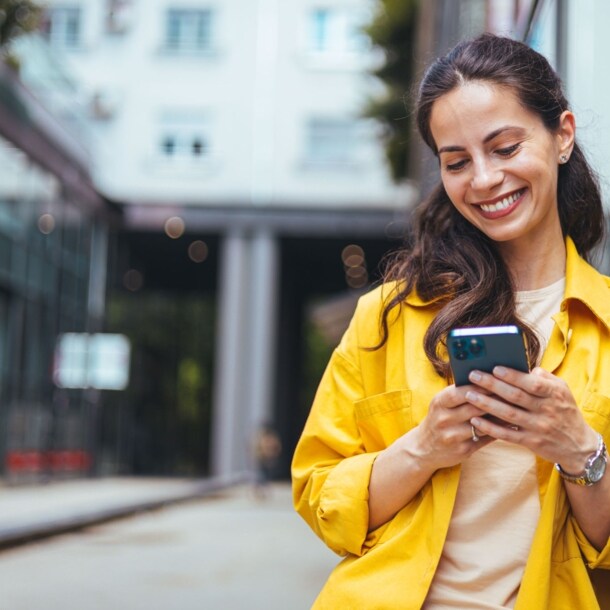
[(584, 477)]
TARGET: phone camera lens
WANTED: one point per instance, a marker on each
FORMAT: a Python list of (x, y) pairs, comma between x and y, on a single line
[(475, 347), (461, 355)]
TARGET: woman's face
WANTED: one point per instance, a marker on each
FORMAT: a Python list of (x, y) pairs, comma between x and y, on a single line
[(499, 162)]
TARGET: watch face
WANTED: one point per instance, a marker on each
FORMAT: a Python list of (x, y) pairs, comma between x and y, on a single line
[(597, 469)]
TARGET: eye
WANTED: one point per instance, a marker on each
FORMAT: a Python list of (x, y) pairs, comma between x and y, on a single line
[(508, 151), (455, 167)]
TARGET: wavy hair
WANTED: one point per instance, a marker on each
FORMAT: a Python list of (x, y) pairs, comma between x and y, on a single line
[(451, 262)]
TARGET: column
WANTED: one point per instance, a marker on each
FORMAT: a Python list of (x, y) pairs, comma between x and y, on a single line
[(264, 270), (227, 417)]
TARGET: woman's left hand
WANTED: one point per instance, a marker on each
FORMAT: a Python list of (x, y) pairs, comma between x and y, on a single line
[(538, 411)]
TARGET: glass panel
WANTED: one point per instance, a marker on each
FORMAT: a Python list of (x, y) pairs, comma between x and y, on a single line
[(184, 135), (63, 26), (319, 29), (337, 31), (188, 30), (331, 141)]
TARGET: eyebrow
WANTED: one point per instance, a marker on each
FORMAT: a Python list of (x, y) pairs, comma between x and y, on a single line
[(490, 136)]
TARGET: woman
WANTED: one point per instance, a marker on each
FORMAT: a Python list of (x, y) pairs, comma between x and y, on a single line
[(489, 495)]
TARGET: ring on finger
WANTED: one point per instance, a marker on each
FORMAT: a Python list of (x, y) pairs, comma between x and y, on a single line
[(475, 437)]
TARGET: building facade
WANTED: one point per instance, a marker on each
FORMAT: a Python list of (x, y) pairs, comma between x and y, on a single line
[(232, 136), (237, 129), (54, 231)]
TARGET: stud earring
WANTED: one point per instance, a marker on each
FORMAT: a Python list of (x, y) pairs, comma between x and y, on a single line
[(563, 159)]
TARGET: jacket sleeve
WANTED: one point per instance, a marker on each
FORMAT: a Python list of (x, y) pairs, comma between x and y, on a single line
[(330, 468), (593, 557), (598, 417)]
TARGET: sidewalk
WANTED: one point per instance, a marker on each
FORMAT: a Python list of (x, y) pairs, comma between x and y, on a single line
[(233, 549), (38, 511)]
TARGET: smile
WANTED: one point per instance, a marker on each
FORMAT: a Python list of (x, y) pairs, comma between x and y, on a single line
[(502, 205)]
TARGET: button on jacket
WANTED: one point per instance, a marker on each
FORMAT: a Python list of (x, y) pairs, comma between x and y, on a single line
[(369, 398)]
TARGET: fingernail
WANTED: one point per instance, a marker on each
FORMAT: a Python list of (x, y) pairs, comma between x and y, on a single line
[(472, 396), (500, 371), (474, 376)]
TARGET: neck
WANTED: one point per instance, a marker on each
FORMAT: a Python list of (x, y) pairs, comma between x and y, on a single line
[(540, 264)]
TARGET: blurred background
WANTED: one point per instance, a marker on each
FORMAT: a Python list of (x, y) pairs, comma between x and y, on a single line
[(194, 193)]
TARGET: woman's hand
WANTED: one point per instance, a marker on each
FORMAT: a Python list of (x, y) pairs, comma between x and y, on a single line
[(540, 414), (445, 436)]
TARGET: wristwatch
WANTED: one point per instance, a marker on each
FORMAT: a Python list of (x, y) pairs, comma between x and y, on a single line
[(595, 467)]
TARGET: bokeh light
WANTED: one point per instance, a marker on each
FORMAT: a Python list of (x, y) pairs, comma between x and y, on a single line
[(352, 255), (198, 251), (174, 227), (46, 224), (354, 262), (133, 280)]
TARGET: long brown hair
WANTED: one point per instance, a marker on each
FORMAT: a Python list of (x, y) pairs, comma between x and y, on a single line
[(451, 262)]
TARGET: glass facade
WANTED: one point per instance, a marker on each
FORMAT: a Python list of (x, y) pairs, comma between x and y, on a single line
[(45, 237)]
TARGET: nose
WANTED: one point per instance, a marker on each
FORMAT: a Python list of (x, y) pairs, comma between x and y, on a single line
[(485, 175)]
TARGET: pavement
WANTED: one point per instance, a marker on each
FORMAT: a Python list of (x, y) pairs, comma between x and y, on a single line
[(207, 547), (32, 512)]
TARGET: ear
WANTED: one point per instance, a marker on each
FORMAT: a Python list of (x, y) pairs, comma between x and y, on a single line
[(566, 133)]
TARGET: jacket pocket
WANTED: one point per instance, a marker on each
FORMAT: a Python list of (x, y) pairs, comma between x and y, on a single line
[(383, 418)]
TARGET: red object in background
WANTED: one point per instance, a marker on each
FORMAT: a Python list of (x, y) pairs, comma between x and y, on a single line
[(21, 462)]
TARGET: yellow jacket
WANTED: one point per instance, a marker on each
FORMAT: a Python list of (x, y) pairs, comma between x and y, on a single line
[(368, 399)]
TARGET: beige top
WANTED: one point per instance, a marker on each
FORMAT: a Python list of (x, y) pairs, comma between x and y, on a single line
[(497, 505)]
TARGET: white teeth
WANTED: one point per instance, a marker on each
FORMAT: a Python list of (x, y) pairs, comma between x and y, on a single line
[(501, 205)]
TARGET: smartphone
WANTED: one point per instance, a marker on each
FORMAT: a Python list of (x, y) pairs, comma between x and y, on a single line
[(483, 348)]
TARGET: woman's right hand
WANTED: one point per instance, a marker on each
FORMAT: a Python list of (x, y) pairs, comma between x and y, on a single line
[(443, 438)]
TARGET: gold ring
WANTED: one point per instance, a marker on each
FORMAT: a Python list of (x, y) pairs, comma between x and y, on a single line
[(475, 436)]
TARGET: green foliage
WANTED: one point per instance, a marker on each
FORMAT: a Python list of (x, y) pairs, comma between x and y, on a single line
[(316, 356), (393, 31), (17, 17), (190, 389), (169, 397)]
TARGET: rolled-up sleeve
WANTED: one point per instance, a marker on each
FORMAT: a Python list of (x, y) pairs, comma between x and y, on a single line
[(331, 469), (593, 557)]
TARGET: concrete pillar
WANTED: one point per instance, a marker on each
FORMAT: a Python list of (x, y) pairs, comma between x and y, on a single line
[(246, 346), (97, 275), (227, 456), (263, 314)]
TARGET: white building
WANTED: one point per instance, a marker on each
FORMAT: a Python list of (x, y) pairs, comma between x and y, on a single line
[(233, 103)]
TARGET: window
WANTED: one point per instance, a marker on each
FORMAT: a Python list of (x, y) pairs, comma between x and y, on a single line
[(319, 36), (336, 31), (332, 141), (62, 26), (188, 30), (183, 145), (184, 137)]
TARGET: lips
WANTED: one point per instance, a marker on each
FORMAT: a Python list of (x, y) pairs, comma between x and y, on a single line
[(503, 206)]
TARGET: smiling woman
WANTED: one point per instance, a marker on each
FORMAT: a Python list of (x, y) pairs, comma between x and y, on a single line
[(491, 494)]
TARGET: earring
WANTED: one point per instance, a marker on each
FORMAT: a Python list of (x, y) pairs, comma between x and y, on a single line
[(563, 159)]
